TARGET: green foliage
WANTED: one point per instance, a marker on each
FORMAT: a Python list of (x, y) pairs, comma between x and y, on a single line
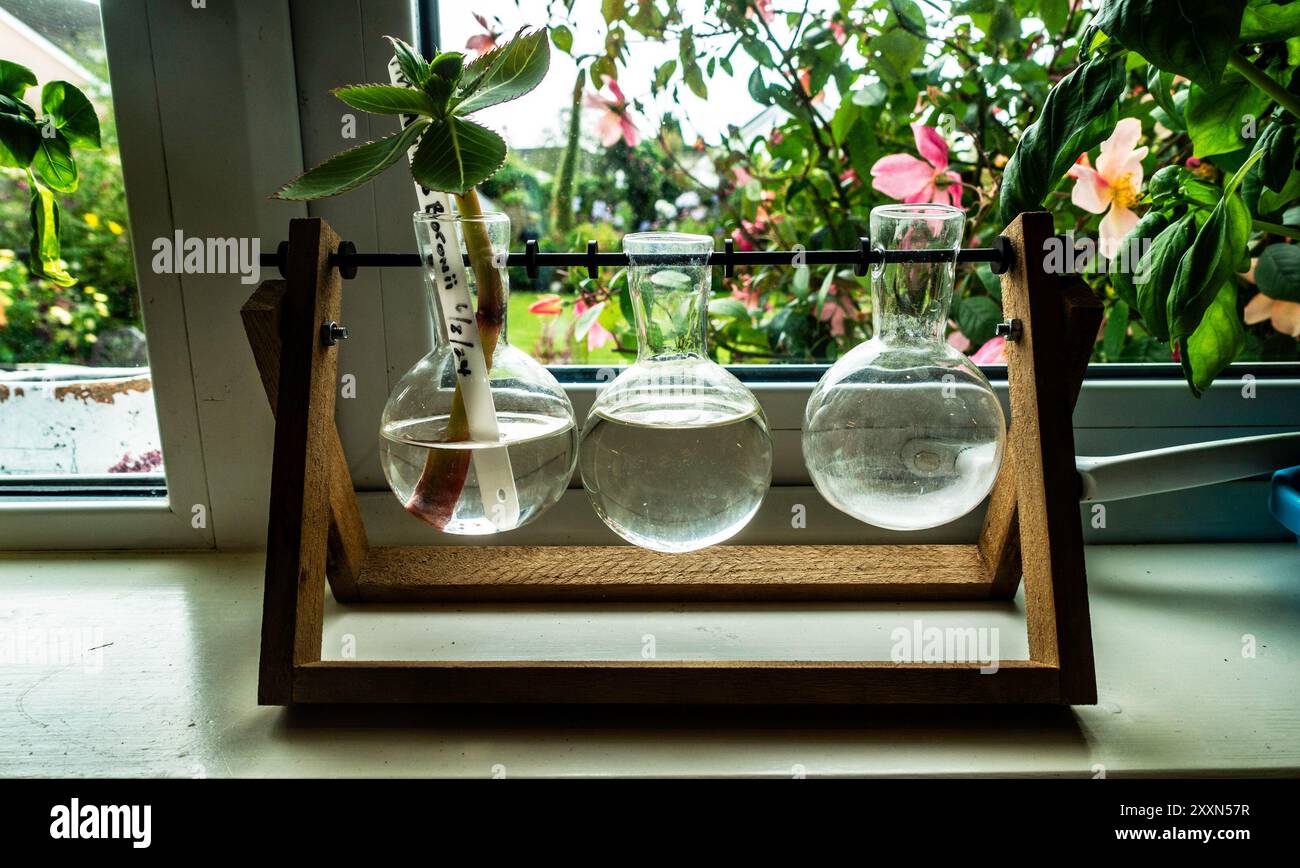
[(42, 147), (454, 154)]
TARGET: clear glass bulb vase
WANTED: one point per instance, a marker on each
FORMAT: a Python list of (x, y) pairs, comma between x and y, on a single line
[(438, 462), (904, 432), (676, 454)]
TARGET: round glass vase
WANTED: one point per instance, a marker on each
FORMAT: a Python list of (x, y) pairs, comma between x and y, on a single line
[(904, 432), (432, 463), (676, 454)]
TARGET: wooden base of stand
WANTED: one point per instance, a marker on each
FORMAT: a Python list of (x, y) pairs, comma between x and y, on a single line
[(1031, 530)]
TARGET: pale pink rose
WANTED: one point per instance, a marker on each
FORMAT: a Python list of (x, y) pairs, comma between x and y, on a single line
[(1116, 184), (904, 177), (956, 339), (994, 352), (1284, 315), (597, 334), (613, 123)]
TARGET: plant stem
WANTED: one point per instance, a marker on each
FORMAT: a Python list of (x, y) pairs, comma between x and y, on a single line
[(1275, 229), (562, 199), (445, 470), (1259, 79)]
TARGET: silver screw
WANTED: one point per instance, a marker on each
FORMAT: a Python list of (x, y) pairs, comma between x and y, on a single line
[(1012, 329), (332, 333)]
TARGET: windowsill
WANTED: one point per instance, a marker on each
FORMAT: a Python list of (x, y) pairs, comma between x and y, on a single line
[(175, 693)]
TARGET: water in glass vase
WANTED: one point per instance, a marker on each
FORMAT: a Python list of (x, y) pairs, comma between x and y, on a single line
[(676, 479), (540, 449), (676, 454)]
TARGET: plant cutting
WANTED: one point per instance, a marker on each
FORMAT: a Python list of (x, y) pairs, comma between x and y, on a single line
[(449, 153), (41, 147)]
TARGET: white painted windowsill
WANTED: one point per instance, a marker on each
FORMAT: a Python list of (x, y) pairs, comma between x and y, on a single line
[(172, 690)]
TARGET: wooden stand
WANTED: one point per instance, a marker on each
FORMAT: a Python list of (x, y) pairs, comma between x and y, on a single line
[(1032, 529)]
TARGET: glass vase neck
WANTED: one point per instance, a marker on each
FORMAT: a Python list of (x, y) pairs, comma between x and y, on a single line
[(669, 279), (484, 242), (910, 300)]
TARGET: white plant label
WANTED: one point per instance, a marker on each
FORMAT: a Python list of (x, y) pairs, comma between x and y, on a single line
[(496, 478)]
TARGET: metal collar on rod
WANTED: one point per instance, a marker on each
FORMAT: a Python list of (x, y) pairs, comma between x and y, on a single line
[(347, 260)]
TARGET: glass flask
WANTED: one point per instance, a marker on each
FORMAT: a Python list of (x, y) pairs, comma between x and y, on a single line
[(519, 451), (904, 432), (676, 454)]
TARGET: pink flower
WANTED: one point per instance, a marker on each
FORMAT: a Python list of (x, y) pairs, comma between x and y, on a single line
[(744, 291), (613, 124), (994, 352), (764, 9), (838, 30), (777, 138), (849, 177), (547, 305), (742, 176), (483, 42), (1116, 184), (745, 234), (597, 334), (1284, 315), (902, 176), (836, 309), (956, 339)]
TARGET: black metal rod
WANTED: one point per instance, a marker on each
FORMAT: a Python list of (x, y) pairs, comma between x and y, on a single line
[(998, 255)]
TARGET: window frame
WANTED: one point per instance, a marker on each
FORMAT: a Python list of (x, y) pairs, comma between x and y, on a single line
[(215, 425)]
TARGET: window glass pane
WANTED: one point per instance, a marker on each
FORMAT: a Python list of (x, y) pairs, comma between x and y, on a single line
[(76, 395), (779, 124)]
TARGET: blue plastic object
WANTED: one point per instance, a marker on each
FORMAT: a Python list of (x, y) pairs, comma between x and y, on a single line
[(1284, 499)]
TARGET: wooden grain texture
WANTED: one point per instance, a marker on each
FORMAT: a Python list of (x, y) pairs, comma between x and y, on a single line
[(627, 573), (298, 529), (1042, 451), (687, 682), (347, 532), (999, 538)]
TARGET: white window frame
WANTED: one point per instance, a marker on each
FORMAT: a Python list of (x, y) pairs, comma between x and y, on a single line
[(218, 106)]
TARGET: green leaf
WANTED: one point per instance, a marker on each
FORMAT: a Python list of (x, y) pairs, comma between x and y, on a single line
[(1078, 114), (353, 167), (1278, 272), (562, 37), (457, 154), (664, 73), (1216, 116), (1155, 274), (1207, 265), (1271, 201), (414, 67), (758, 88), (1279, 147), (1115, 331), (19, 140), (728, 308), (1138, 239), (15, 79), (506, 72), (71, 112), (690, 68), (54, 164), (1191, 38), (387, 99), (1216, 342), (1161, 86), (613, 10), (44, 247), (1269, 22), (978, 318), (1004, 25), (1055, 14)]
